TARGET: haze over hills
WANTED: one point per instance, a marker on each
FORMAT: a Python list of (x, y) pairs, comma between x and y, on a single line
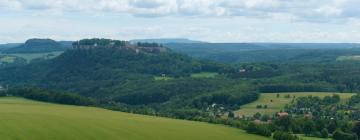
[(166, 40)]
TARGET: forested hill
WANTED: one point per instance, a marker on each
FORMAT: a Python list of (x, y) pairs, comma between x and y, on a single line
[(118, 73), (38, 46)]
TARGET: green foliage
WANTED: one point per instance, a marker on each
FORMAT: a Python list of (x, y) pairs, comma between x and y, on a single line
[(279, 135), (50, 96), (324, 133), (258, 129), (99, 42), (340, 135)]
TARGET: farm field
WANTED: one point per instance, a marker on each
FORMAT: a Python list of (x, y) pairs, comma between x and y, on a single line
[(31, 56), (23, 119), (7, 59), (157, 78), (348, 58), (279, 103), (204, 75)]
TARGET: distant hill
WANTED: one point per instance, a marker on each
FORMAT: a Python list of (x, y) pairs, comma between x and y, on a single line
[(94, 65), (166, 40), (309, 45), (38, 46), (266, 52), (9, 45)]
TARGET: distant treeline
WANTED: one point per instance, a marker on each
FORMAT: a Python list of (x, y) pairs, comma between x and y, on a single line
[(48, 96)]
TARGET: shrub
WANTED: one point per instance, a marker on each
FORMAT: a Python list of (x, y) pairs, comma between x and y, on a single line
[(258, 129), (324, 133), (340, 135), (279, 135)]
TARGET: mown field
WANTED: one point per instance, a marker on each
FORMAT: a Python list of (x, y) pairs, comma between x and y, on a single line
[(204, 75), (31, 56), (279, 103), (22, 119)]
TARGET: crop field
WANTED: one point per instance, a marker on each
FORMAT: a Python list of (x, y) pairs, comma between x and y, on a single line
[(349, 58), (31, 56), (279, 103), (157, 78), (204, 75), (7, 59), (22, 119)]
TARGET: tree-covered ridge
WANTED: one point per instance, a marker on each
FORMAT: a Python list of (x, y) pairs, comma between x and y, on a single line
[(100, 42), (123, 79), (37, 46)]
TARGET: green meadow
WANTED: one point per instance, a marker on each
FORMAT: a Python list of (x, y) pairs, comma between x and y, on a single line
[(22, 119), (31, 56), (276, 104), (204, 75)]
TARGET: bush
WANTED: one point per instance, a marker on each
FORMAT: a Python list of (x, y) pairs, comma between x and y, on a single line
[(324, 133), (258, 129), (279, 135), (340, 135), (50, 96)]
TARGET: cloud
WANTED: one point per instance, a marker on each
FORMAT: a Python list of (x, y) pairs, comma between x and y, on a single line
[(302, 9)]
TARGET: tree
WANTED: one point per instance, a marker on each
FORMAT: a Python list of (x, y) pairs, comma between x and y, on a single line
[(231, 114), (259, 129), (356, 128), (280, 135), (257, 115), (340, 135), (324, 133), (265, 106), (308, 127)]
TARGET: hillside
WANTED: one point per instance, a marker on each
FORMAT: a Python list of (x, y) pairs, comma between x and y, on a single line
[(37, 46), (125, 77), (18, 117)]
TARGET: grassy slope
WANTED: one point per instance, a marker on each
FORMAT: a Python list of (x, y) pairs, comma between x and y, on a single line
[(22, 119), (279, 103)]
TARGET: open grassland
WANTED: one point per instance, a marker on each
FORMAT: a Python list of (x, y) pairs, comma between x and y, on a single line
[(204, 75), (31, 56), (279, 103), (22, 119)]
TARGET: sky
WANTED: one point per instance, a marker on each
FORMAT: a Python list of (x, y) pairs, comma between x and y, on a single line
[(293, 21)]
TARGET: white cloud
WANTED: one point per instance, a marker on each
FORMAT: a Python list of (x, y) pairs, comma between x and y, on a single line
[(209, 20), (304, 9)]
